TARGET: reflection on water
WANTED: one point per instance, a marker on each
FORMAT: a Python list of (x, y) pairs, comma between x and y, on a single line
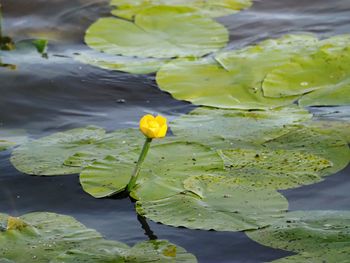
[(45, 95)]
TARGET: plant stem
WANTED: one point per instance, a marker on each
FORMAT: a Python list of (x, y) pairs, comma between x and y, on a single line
[(137, 170)]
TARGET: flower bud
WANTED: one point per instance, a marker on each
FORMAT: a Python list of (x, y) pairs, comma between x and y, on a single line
[(153, 127)]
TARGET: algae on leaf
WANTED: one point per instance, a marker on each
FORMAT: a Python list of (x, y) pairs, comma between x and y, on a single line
[(158, 32), (315, 235), (316, 141), (218, 203), (214, 8), (276, 169)]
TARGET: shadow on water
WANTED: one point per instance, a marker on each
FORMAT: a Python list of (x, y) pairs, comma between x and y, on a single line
[(47, 95)]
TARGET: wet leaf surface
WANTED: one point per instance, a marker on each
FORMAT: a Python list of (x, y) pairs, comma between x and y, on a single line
[(315, 235), (158, 32), (49, 237), (128, 9), (214, 202), (67, 152)]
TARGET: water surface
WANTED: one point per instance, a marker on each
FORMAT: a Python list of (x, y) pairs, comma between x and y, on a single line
[(46, 95)]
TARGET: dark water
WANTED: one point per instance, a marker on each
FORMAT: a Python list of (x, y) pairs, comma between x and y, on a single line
[(47, 95)]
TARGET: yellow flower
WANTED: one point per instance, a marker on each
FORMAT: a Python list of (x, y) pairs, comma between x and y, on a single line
[(153, 127)]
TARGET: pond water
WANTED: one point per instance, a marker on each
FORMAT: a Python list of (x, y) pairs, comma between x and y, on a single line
[(46, 95)]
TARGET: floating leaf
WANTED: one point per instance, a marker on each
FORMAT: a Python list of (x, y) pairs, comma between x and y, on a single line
[(329, 256), (49, 237), (148, 251), (328, 74), (67, 152), (332, 127), (159, 32), (132, 65), (335, 95), (267, 54), (206, 82), (159, 251), (214, 202), (128, 9), (231, 128), (108, 176), (270, 74), (43, 236), (313, 232), (166, 166), (280, 169), (317, 142), (10, 138)]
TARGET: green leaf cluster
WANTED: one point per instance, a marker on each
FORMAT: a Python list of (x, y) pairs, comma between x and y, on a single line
[(267, 75), (55, 238), (208, 167)]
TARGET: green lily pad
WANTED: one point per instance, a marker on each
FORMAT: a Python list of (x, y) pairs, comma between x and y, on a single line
[(223, 129), (317, 72), (108, 176), (11, 138), (332, 120), (132, 65), (280, 169), (159, 32), (68, 152), (332, 127), (270, 74), (205, 82), (315, 141), (42, 236), (214, 8), (147, 251), (335, 95), (267, 54), (49, 237), (218, 203), (166, 166), (308, 231), (329, 256)]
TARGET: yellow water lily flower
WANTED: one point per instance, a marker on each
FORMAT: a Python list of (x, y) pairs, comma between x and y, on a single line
[(153, 127)]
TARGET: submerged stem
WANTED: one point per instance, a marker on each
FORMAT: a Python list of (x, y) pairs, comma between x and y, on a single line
[(137, 170)]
